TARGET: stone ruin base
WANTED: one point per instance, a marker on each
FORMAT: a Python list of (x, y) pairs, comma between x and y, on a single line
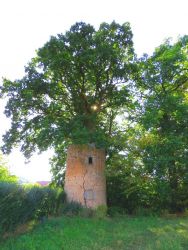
[(85, 181)]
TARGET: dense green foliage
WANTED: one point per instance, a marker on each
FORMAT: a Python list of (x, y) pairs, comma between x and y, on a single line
[(20, 204), (88, 86), (5, 176), (165, 120), (143, 233), (72, 90), (151, 171)]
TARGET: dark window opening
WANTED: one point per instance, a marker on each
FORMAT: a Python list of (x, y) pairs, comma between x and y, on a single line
[(90, 160)]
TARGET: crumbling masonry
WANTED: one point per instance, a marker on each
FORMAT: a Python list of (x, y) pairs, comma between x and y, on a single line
[(85, 178)]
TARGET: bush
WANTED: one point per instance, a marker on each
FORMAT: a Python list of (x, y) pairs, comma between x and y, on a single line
[(116, 211), (100, 212), (20, 204), (141, 211), (5, 175), (12, 198), (72, 208), (76, 209), (131, 190), (86, 212), (60, 200)]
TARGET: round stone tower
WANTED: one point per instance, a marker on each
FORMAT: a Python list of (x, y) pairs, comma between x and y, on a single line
[(85, 178)]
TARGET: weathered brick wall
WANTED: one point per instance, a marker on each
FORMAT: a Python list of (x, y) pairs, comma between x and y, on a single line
[(85, 178)]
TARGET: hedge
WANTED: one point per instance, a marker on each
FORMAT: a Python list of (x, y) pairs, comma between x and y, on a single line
[(20, 204)]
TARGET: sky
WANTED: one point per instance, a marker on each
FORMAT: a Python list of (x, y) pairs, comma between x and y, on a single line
[(25, 25)]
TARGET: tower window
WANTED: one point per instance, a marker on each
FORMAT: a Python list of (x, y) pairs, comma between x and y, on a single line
[(90, 160)]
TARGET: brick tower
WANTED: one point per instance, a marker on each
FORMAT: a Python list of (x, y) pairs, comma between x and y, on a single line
[(85, 178)]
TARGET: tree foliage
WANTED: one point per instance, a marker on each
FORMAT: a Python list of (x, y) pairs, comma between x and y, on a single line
[(164, 119), (152, 169), (72, 90), (5, 175)]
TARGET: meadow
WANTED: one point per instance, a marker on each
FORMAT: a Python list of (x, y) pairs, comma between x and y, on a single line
[(73, 233)]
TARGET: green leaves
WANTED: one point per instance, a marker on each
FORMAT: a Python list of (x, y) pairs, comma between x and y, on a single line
[(5, 176), (21, 204), (71, 73), (164, 117)]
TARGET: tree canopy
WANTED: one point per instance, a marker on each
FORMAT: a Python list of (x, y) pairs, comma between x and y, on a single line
[(72, 90), (164, 117), (151, 169)]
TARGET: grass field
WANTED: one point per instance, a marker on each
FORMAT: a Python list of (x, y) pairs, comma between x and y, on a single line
[(75, 233)]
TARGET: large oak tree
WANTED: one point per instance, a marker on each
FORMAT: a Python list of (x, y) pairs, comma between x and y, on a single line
[(72, 90)]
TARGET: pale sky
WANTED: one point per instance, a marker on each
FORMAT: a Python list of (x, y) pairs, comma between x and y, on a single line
[(25, 25)]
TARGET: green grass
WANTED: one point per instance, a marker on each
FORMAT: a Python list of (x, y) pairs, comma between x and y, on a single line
[(77, 233)]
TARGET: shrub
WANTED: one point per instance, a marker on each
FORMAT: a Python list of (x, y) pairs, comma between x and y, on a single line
[(60, 200), (5, 175), (76, 209), (72, 208), (141, 211), (12, 197), (20, 204), (100, 212), (116, 211), (86, 212)]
